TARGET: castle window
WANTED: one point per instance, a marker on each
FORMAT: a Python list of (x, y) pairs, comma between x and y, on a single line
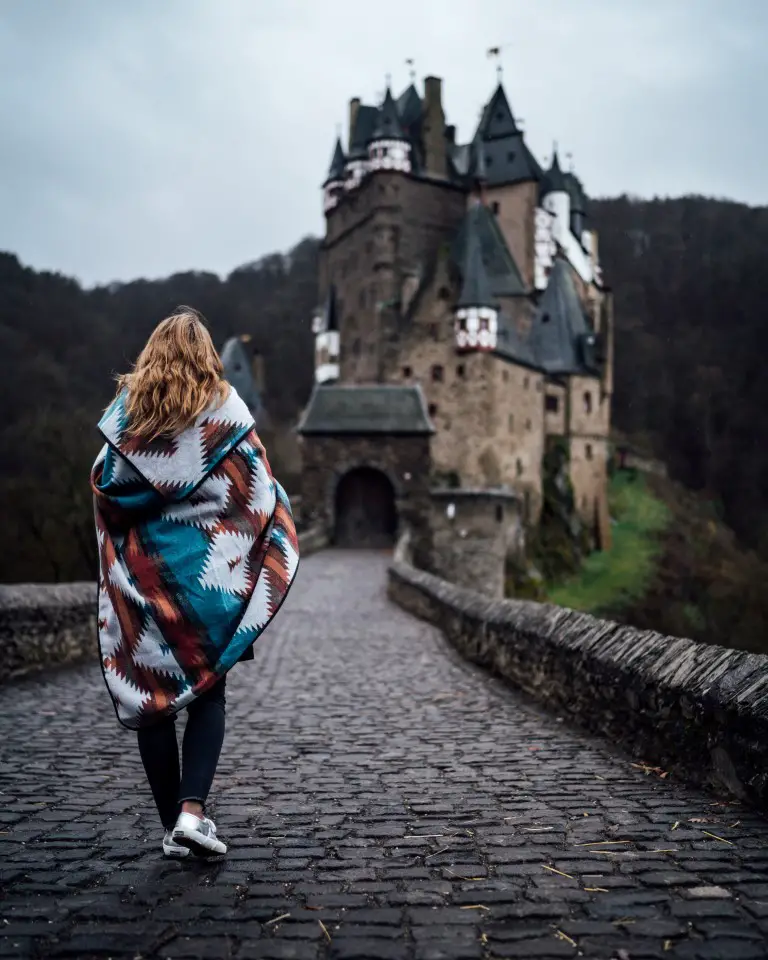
[(356, 347), (499, 513), (444, 293), (519, 467), (505, 375), (460, 371), (407, 372), (511, 422), (588, 451), (545, 318), (526, 383), (495, 208), (528, 425), (437, 373), (433, 330), (432, 409), (587, 402), (552, 403)]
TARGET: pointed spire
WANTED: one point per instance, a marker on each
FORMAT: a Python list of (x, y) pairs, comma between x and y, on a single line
[(554, 180), (336, 171), (497, 121), (476, 287), (388, 122)]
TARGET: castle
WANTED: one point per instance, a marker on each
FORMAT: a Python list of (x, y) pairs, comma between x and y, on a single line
[(464, 327)]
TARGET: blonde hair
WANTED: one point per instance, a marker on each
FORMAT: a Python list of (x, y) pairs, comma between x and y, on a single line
[(176, 377)]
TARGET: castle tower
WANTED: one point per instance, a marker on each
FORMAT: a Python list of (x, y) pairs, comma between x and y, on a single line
[(333, 188), (477, 317), (388, 147), (461, 287), (556, 200)]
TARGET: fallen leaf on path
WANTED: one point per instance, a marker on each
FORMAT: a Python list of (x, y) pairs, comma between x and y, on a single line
[(325, 930)]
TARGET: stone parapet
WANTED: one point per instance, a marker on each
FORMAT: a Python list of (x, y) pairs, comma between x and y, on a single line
[(697, 711), (46, 625)]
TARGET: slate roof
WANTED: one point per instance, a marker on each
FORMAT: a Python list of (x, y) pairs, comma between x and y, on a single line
[(576, 192), (409, 108), (338, 161), (503, 274), (237, 371), (363, 410), (387, 121), (561, 339), (365, 122), (511, 345), (497, 119), (475, 286), (554, 180), (500, 147)]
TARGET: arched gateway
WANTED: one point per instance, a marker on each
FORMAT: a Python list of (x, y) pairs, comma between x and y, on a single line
[(364, 510), (366, 463)]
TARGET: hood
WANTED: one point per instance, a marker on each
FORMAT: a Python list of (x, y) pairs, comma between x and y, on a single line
[(176, 466)]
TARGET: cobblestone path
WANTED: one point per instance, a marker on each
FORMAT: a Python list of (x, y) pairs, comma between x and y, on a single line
[(382, 799)]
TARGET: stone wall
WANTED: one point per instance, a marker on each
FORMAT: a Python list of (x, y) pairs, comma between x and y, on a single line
[(404, 460), (698, 711), (45, 625), (472, 532)]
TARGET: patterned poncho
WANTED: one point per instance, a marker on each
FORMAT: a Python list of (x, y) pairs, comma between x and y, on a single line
[(197, 551)]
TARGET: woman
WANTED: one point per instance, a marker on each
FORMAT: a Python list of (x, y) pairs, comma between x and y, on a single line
[(197, 552)]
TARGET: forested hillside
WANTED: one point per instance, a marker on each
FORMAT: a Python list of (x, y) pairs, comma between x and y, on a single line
[(691, 289), (59, 348), (690, 282)]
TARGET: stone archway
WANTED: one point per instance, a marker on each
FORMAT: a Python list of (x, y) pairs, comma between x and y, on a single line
[(364, 510)]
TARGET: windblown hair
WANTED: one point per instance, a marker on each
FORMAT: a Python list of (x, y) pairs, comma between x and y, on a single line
[(176, 377)]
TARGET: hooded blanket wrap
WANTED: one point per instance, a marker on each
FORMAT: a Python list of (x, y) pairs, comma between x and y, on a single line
[(197, 551)]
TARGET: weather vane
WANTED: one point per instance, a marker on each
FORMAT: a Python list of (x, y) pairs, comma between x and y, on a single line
[(411, 68), (495, 54)]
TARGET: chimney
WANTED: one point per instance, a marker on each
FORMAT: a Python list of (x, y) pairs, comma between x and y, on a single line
[(450, 134), (433, 128), (354, 106)]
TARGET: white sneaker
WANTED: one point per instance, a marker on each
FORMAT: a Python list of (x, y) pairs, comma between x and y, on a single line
[(171, 848), (198, 834)]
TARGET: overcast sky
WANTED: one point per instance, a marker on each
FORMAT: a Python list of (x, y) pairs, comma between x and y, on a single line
[(142, 137)]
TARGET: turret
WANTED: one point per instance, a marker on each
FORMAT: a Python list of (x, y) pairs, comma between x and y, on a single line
[(578, 208), (325, 326), (555, 199), (477, 318), (388, 146), (333, 187)]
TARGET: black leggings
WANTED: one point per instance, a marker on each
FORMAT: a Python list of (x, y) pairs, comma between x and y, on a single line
[(203, 738)]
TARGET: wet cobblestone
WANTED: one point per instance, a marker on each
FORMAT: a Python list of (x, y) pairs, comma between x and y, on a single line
[(382, 799)]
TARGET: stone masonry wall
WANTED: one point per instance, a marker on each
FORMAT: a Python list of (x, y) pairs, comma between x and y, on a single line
[(403, 460), (697, 711), (471, 533), (47, 625), (44, 625)]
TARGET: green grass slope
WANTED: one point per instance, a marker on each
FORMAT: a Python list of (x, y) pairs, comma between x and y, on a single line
[(673, 567)]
